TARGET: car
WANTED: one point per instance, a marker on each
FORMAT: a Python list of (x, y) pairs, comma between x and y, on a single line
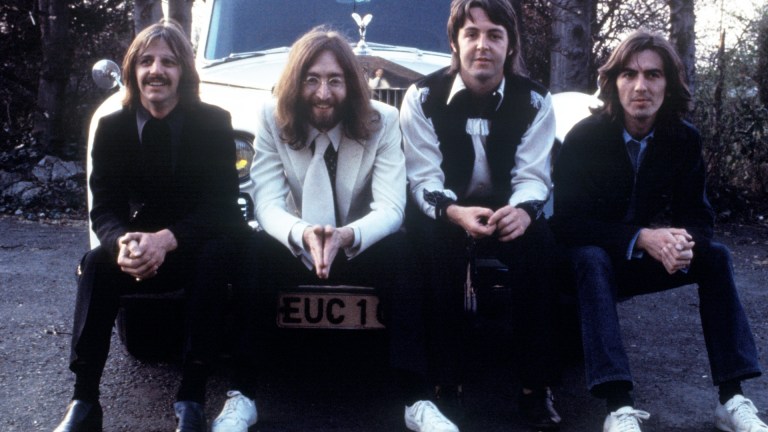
[(242, 47)]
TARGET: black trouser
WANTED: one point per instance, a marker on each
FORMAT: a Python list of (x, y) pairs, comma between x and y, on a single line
[(444, 250), (201, 272), (386, 266)]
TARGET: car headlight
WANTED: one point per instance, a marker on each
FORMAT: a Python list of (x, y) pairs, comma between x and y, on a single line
[(244, 152)]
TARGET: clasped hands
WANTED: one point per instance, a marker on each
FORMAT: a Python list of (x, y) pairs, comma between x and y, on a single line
[(323, 243), (672, 247), (508, 222), (141, 254)]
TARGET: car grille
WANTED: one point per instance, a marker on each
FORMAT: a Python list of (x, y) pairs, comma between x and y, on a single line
[(390, 96)]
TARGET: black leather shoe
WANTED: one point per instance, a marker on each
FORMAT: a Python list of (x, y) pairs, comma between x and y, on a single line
[(190, 417), (538, 410), (81, 416)]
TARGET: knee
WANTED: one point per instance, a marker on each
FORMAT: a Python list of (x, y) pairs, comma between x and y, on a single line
[(586, 258), (717, 252), (713, 257), (96, 258), (592, 269)]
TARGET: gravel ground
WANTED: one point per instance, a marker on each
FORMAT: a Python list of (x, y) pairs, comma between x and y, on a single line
[(303, 392)]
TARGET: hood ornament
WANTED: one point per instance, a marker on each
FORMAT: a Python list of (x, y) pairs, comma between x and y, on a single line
[(362, 24)]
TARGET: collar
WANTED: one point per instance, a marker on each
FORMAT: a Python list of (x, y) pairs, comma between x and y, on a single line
[(334, 134), (458, 85), (646, 139), (173, 118)]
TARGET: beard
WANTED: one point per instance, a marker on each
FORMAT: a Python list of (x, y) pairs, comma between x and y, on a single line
[(323, 115), (325, 119)]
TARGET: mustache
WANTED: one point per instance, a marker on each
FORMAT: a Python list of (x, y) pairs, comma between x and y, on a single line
[(330, 100), (156, 78)]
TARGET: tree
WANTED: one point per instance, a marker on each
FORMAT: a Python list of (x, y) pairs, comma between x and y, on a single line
[(571, 45), (683, 37), (181, 11), (146, 13), (20, 41), (54, 74), (760, 76), (535, 35)]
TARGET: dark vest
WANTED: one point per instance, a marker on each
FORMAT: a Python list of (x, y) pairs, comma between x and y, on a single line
[(508, 124)]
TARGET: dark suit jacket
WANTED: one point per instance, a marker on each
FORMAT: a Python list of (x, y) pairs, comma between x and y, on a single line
[(198, 202), (594, 180)]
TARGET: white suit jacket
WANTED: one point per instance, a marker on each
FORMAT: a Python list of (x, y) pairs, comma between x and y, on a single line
[(370, 180)]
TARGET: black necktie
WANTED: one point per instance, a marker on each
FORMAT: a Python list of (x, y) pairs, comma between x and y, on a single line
[(330, 164), (633, 147), (331, 157), (156, 140)]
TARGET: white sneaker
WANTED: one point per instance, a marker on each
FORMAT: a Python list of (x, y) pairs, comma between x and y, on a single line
[(423, 416), (738, 415), (625, 419), (238, 415)]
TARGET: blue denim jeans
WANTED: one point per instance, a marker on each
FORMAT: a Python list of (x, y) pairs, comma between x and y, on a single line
[(602, 281)]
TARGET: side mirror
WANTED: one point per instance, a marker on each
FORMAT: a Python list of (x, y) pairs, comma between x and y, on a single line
[(106, 74)]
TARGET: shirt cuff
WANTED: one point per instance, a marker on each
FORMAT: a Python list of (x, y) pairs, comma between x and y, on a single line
[(534, 208), (296, 237), (355, 248), (439, 200), (631, 252)]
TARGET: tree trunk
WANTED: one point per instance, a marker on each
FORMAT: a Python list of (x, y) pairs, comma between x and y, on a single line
[(54, 27), (146, 13), (761, 77), (517, 5), (181, 11), (683, 37), (718, 95), (571, 45)]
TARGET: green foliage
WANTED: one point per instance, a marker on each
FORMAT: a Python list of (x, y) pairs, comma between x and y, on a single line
[(535, 38), (735, 130), (20, 54), (761, 77), (98, 29), (101, 29)]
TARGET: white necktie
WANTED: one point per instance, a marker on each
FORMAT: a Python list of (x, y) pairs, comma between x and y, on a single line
[(317, 205)]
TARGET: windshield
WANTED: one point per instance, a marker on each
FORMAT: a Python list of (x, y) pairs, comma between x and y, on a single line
[(239, 26)]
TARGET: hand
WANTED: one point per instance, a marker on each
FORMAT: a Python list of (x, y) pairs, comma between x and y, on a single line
[(672, 247), (323, 243), (141, 254), (474, 220), (511, 222)]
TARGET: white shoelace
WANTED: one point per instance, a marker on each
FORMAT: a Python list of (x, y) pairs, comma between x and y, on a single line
[(744, 413), (234, 406), (427, 413), (629, 421)]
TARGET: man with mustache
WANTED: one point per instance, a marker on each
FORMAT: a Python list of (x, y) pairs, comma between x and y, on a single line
[(329, 193), (478, 137), (165, 188), (631, 205)]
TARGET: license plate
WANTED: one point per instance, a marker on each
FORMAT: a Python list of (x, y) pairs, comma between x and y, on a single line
[(329, 307)]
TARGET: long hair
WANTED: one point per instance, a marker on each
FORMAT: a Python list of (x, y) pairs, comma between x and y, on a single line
[(292, 114), (500, 12), (677, 98), (169, 31)]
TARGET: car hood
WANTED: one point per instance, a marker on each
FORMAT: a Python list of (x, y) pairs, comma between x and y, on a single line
[(261, 71)]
